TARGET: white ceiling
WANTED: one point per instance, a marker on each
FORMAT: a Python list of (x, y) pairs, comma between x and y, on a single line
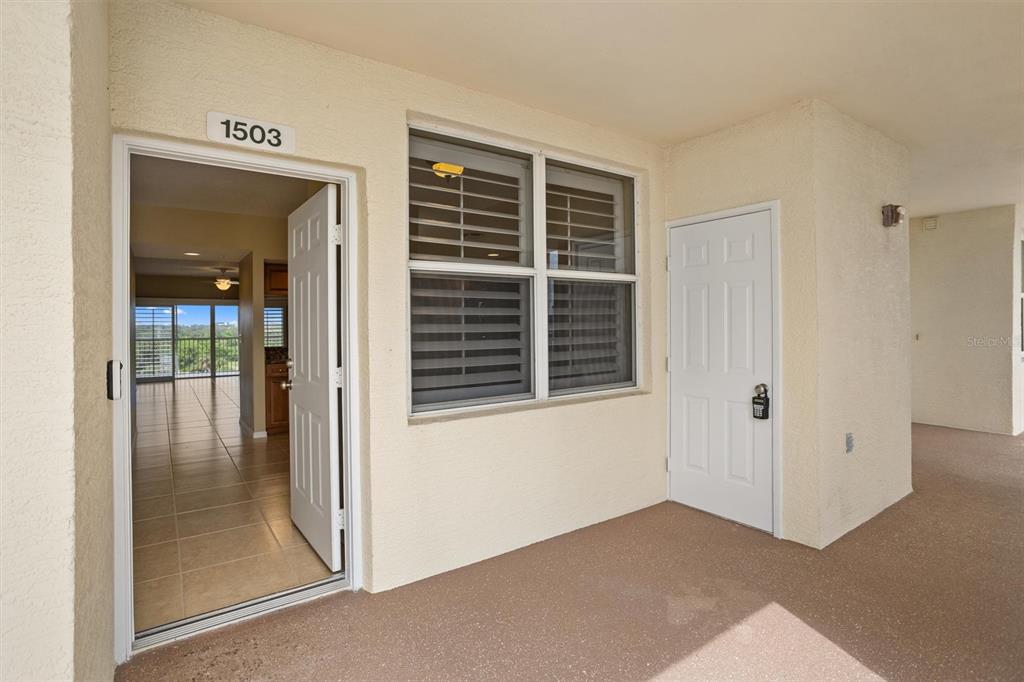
[(947, 80), (179, 184)]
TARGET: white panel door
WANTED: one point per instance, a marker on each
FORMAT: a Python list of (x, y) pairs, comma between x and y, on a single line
[(720, 457), (313, 427)]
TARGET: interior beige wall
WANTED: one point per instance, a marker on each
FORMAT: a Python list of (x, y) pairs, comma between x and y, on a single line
[(831, 176), (210, 232), (863, 282), (56, 606), (246, 346), (434, 498), (965, 284)]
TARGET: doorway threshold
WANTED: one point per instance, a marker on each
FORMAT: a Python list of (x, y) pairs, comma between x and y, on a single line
[(238, 612)]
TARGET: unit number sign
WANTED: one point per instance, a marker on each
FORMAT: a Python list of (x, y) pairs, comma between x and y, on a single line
[(247, 132)]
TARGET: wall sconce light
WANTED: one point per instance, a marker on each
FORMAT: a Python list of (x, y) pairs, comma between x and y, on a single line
[(892, 214)]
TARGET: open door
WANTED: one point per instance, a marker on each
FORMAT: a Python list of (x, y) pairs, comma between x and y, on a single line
[(314, 426)]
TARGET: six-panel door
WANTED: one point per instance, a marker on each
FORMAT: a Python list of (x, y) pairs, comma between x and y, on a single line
[(721, 349)]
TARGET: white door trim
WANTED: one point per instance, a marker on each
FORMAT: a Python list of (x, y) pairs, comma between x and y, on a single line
[(123, 147), (778, 394)]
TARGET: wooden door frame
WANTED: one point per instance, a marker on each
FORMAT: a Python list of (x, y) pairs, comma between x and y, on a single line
[(777, 395), (124, 146)]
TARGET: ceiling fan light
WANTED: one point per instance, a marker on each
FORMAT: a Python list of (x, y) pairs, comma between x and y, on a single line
[(222, 283)]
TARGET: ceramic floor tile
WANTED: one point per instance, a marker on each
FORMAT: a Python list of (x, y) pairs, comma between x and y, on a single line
[(150, 474), (205, 443), (286, 533), (250, 459), (275, 507), (269, 486), (272, 470), (200, 435), (152, 531), (202, 481), (215, 587), (197, 455), (212, 497), (306, 564), (155, 561), (151, 439), (152, 507), (218, 518), (226, 545), (151, 450), (149, 461), (206, 467), (141, 491), (157, 602)]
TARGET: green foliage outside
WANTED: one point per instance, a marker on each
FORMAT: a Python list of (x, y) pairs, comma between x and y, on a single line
[(194, 349)]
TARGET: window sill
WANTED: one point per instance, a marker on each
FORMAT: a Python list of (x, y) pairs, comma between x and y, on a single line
[(523, 406)]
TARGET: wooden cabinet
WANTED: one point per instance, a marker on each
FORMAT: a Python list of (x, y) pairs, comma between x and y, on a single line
[(275, 279), (277, 398)]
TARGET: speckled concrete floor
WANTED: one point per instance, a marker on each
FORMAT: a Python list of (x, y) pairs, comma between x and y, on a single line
[(931, 589)]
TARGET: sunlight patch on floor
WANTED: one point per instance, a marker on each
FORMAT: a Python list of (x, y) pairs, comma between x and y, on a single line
[(771, 643)]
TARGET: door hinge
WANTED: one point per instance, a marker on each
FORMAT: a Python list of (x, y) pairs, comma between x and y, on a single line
[(668, 464), (339, 519), (338, 377), (668, 363), (668, 260), (337, 234)]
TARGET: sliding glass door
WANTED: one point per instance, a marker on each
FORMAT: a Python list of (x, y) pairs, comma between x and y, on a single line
[(186, 341)]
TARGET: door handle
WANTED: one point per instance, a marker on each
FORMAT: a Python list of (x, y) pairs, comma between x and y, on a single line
[(287, 385)]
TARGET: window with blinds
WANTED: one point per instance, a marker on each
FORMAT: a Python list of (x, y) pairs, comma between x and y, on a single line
[(590, 335), (479, 285), (483, 215), (470, 339), (154, 342), (275, 332), (589, 220)]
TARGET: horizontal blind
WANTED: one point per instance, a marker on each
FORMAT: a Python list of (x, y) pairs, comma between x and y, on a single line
[(470, 339), (273, 327), (482, 215), (154, 355), (590, 334), (589, 220)]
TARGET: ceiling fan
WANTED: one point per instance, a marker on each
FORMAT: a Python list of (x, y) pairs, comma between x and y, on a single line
[(224, 282)]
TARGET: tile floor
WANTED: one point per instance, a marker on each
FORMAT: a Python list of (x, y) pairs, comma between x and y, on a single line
[(212, 525)]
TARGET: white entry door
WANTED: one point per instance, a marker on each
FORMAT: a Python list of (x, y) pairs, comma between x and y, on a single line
[(313, 427), (720, 456)]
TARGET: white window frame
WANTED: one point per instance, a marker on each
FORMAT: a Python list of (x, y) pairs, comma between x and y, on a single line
[(538, 274)]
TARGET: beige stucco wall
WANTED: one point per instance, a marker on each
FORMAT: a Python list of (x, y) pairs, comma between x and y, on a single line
[(442, 494), (94, 536), (965, 284), (831, 176), (56, 547), (863, 282)]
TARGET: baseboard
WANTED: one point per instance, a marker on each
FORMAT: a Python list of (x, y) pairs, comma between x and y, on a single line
[(248, 430)]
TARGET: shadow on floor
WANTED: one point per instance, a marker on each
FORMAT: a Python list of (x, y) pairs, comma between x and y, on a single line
[(930, 589)]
